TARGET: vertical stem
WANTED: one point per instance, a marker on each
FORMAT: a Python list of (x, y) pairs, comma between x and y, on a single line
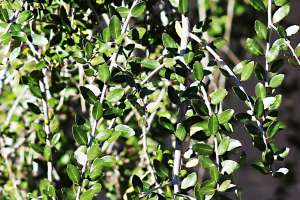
[(45, 89), (267, 67), (177, 152)]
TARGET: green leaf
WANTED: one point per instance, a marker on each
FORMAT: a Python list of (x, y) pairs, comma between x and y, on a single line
[(88, 95), (276, 80), (18, 35), (125, 131), (103, 73), (168, 41), (5, 38), (93, 152), (214, 173), (259, 108), (34, 108), (4, 15), (47, 153), (261, 30), (224, 186), (55, 139), (202, 149), (213, 124), (180, 132), (87, 195), (188, 57), (150, 64), (223, 146), (260, 91), (198, 71), (107, 161), (24, 16), (39, 40), (106, 34), (123, 11), (258, 5), (73, 173), (115, 95), (139, 9), (97, 111), (218, 96), (80, 135), (254, 47), (183, 6), (189, 181), (280, 2), (281, 13), (272, 54), (247, 71), (207, 188), (229, 166), (225, 116), (115, 27)]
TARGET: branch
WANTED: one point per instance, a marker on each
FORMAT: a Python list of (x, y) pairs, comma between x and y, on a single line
[(177, 153), (45, 89), (145, 131), (225, 67)]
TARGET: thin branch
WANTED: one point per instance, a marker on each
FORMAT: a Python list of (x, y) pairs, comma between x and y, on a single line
[(114, 57), (145, 130), (177, 152), (45, 89), (224, 66)]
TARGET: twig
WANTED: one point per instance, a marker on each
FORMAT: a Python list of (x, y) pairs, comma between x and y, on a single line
[(45, 89), (206, 101), (115, 55), (223, 65), (81, 82), (145, 130), (269, 40), (177, 152)]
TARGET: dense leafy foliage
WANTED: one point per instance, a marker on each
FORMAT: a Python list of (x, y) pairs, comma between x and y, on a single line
[(125, 99)]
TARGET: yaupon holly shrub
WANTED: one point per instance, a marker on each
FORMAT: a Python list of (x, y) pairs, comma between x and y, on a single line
[(125, 99)]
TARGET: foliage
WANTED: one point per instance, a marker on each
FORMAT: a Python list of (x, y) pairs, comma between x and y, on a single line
[(127, 99)]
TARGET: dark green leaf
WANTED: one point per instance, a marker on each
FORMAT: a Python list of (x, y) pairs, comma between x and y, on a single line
[(258, 5), (168, 41), (80, 135), (202, 149), (183, 6), (97, 111)]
